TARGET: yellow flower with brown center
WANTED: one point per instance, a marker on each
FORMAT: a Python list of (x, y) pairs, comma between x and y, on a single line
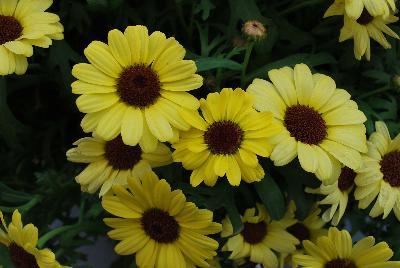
[(336, 250), (159, 225), (363, 28), (113, 162), (379, 176), (24, 24), (337, 194), (226, 139), (21, 243), (321, 125), (134, 87), (259, 237)]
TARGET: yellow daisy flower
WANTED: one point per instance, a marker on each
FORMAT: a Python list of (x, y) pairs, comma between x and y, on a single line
[(380, 174), (337, 195), (321, 125), (337, 250), (23, 24), (308, 229), (21, 243), (159, 226), (260, 235), (134, 86), (355, 8), (226, 139), (362, 29), (113, 162)]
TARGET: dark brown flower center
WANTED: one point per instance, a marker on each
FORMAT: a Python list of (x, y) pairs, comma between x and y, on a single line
[(365, 17), (10, 29), (254, 233), (120, 155), (346, 179), (340, 263), (300, 231), (160, 226), (139, 86), (390, 167), (223, 137), (21, 258), (305, 124)]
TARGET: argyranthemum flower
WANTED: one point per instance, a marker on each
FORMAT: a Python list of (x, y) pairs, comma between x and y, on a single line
[(363, 28), (337, 195), (380, 174), (322, 126), (225, 140), (337, 250), (113, 162), (259, 237), (21, 243), (23, 24), (134, 86), (159, 225), (355, 8)]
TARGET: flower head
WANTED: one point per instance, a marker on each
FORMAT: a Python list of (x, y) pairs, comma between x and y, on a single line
[(355, 8), (23, 24), (159, 225), (254, 30), (134, 87)]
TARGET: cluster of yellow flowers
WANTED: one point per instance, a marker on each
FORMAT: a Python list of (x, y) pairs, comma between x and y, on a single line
[(134, 92)]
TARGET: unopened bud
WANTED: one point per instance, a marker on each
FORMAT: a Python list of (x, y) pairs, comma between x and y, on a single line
[(254, 30)]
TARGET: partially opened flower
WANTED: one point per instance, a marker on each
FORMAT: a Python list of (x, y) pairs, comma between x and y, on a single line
[(226, 139), (354, 8), (337, 195), (113, 162), (336, 250), (363, 28), (24, 24), (379, 176), (321, 125), (134, 87), (21, 243), (159, 225), (260, 237)]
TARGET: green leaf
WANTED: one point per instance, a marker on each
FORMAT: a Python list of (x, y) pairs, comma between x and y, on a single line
[(205, 64), (271, 196), (205, 6)]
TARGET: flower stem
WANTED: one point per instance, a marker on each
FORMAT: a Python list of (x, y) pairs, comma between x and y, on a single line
[(49, 235), (247, 55), (294, 8)]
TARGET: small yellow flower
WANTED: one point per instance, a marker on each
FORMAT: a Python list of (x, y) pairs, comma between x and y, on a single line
[(134, 87), (23, 24), (337, 250), (363, 28), (21, 243), (260, 235), (159, 225), (113, 162), (379, 176), (321, 125), (226, 139)]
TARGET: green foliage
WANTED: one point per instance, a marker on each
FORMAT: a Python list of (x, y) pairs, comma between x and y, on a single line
[(39, 120)]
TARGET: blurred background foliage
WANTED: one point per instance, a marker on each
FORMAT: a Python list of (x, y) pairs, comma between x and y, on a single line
[(39, 119)]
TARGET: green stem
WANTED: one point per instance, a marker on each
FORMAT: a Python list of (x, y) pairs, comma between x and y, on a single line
[(43, 240), (36, 199), (82, 209), (247, 55), (374, 92), (294, 8)]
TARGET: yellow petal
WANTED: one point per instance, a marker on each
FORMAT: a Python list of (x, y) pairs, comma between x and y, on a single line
[(119, 47), (100, 56)]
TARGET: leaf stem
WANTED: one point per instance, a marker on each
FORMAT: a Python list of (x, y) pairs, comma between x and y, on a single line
[(247, 55), (49, 235)]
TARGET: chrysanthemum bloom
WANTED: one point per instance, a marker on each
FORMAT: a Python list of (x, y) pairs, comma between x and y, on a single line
[(322, 126), (225, 140), (134, 86), (337, 195), (362, 29), (260, 235), (159, 225), (355, 8), (23, 24), (113, 162), (337, 250), (380, 174), (21, 243), (308, 229)]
